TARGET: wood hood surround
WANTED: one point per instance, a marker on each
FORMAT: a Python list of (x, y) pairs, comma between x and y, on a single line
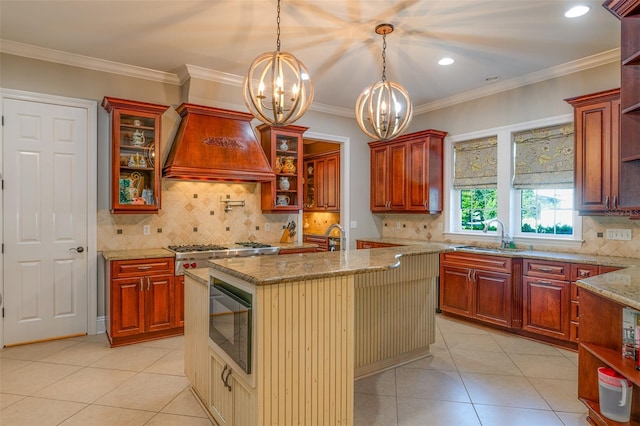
[(216, 145)]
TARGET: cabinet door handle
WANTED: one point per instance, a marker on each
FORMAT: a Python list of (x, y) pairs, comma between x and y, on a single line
[(225, 379), (544, 282), (424, 204), (222, 374), (615, 202), (141, 285), (148, 283), (606, 203), (545, 269), (144, 268)]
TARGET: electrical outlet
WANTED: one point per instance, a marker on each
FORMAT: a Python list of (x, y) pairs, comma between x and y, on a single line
[(267, 226), (146, 229), (618, 234), (354, 224), (398, 225)]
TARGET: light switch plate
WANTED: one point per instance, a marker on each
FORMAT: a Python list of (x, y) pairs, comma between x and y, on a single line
[(146, 229), (618, 234)]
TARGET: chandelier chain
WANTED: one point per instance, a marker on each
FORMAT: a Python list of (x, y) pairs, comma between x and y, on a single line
[(278, 32), (384, 56)]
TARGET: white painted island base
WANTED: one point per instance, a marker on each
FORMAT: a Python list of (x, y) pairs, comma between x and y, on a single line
[(312, 338)]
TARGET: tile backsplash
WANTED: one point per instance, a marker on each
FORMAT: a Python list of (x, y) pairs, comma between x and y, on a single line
[(430, 228), (193, 213)]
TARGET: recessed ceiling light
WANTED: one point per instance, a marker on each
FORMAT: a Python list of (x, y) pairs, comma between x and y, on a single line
[(446, 61), (576, 11)]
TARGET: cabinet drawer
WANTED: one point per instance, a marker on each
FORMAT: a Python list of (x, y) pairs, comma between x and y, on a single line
[(140, 267), (575, 292), (477, 261), (321, 241), (575, 310), (579, 271), (573, 331), (547, 269)]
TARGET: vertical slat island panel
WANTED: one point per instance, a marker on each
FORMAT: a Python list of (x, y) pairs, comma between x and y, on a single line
[(306, 367), (394, 314)]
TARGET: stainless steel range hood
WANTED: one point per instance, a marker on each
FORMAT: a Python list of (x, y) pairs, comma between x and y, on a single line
[(217, 145)]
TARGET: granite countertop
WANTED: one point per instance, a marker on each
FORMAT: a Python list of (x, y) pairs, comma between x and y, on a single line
[(136, 254), (267, 270), (622, 262), (200, 275)]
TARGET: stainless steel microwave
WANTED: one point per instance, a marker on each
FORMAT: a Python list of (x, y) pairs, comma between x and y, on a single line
[(230, 321)]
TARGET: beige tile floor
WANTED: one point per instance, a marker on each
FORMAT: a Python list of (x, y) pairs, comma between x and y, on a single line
[(475, 376)]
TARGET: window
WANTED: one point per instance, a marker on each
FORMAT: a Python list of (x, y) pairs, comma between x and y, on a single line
[(475, 175), (546, 211), (476, 206), (522, 174), (543, 174)]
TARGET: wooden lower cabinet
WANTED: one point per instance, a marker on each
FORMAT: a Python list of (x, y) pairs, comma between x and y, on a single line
[(456, 291), (320, 240), (140, 300), (297, 250), (178, 301), (546, 307), (552, 298), (481, 287), (600, 346)]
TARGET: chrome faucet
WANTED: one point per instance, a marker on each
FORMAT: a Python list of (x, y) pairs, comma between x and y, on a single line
[(504, 241), (342, 233)]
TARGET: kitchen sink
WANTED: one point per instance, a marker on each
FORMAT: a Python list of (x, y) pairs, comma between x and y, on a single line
[(488, 249)]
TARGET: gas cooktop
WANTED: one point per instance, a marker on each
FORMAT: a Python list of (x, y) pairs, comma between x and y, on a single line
[(196, 247), (191, 256)]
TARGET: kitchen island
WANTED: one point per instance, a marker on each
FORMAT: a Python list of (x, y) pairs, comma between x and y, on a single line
[(320, 320)]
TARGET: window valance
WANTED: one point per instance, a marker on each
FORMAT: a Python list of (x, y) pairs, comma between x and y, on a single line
[(544, 157), (476, 163)]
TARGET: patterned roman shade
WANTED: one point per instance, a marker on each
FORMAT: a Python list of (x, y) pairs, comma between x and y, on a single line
[(544, 157), (476, 163)]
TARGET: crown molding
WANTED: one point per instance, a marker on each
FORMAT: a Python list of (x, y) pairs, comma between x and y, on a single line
[(66, 58), (593, 61), (188, 71)]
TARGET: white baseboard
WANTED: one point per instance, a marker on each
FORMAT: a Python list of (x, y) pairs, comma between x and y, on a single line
[(101, 325)]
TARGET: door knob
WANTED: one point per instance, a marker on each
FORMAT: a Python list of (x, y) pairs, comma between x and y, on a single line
[(78, 249)]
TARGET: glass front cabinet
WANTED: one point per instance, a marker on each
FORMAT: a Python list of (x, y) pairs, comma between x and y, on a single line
[(135, 155), (283, 146)]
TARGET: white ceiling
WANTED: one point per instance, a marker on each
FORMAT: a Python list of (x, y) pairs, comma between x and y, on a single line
[(515, 40)]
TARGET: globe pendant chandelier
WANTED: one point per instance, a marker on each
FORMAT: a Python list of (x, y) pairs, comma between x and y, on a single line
[(384, 110), (277, 89)]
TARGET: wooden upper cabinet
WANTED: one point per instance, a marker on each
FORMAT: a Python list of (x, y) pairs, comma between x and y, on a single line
[(322, 182), (406, 173), (597, 151), (283, 147), (628, 11), (135, 155)]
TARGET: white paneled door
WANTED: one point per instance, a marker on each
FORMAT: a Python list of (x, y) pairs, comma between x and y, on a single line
[(45, 221)]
